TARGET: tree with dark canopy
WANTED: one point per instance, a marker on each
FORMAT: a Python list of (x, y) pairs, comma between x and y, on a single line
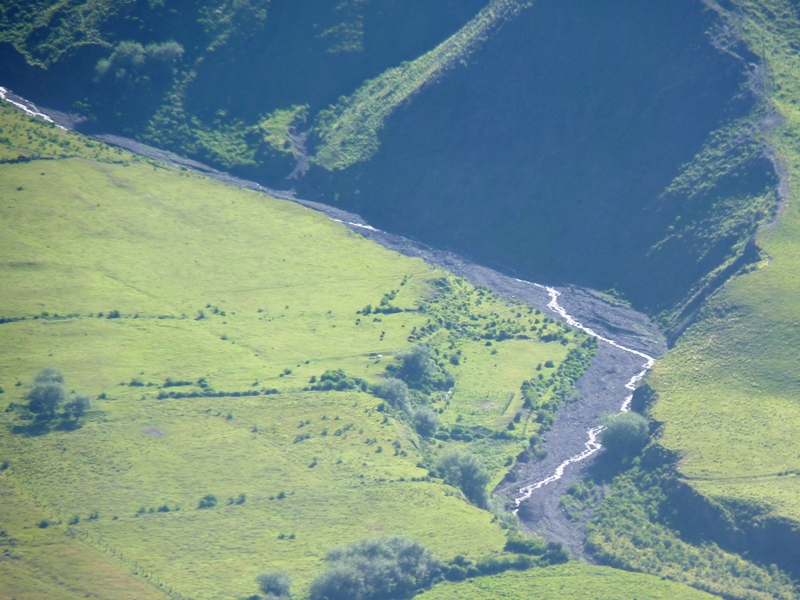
[(47, 393), (465, 471), (381, 568), (625, 434)]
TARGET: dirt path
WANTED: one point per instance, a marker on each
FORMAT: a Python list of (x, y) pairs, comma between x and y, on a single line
[(630, 342)]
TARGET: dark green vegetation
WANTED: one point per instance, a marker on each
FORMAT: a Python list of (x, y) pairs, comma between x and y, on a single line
[(625, 434), (381, 568), (609, 145), (50, 405), (637, 527)]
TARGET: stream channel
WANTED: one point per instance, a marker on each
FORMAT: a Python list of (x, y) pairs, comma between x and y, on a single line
[(629, 344)]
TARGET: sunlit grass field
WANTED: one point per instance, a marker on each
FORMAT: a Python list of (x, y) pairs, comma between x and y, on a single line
[(125, 275), (729, 390), (573, 581)]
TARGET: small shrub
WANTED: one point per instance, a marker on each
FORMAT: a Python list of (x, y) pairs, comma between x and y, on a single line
[(207, 501), (78, 406)]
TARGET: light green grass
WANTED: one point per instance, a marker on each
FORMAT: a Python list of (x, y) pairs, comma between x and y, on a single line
[(134, 454), (566, 582), (729, 389), (26, 138), (237, 288), (40, 563)]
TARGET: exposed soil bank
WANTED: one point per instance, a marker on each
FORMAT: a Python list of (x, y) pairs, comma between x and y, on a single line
[(747, 529)]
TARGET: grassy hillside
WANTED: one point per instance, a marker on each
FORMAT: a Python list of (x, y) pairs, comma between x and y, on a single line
[(568, 582), (47, 563), (728, 391), (196, 316)]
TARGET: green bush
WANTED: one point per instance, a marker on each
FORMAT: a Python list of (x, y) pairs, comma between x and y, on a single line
[(381, 568), (533, 546), (207, 501), (394, 391), (425, 421), (275, 584), (465, 471), (78, 406), (45, 397), (625, 434), (338, 380)]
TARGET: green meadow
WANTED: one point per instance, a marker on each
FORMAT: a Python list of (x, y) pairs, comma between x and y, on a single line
[(573, 581), (196, 316)]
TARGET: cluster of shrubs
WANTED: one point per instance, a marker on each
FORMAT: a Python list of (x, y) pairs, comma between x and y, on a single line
[(48, 401), (337, 380), (164, 508), (581, 497), (209, 393), (381, 568), (397, 568), (560, 383), (420, 371), (633, 529)]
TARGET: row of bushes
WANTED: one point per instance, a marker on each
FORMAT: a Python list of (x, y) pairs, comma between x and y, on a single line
[(215, 394), (397, 568)]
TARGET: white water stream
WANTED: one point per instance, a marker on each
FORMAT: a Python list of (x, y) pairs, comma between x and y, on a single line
[(31, 110), (592, 445)]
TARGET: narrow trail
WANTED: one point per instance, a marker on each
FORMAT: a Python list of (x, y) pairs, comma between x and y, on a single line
[(592, 444)]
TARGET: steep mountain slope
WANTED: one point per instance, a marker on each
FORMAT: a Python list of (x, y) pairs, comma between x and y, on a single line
[(728, 391), (612, 145)]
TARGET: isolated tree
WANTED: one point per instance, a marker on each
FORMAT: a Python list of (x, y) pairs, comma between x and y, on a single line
[(275, 584), (47, 393), (381, 568), (465, 471), (395, 392), (625, 434), (425, 421)]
